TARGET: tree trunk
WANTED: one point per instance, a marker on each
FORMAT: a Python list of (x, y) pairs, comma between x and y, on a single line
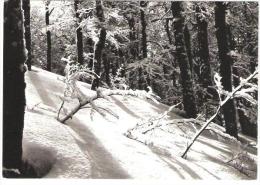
[(167, 29), (229, 108), (27, 33), (100, 45), (182, 59), (188, 47), (47, 15), (203, 47), (79, 34), (141, 73), (143, 4), (13, 85), (107, 67)]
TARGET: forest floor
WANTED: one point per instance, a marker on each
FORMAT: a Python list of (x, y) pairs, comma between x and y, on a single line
[(93, 146)]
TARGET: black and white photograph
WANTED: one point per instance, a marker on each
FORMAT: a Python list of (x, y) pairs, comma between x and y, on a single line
[(131, 90)]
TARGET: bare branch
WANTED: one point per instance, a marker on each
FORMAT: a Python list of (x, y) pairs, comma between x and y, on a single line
[(231, 95)]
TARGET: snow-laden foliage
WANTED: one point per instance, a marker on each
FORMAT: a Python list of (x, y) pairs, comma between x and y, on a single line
[(119, 81), (74, 72)]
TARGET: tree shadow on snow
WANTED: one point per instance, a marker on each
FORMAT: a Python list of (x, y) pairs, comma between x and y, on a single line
[(103, 164), (38, 160)]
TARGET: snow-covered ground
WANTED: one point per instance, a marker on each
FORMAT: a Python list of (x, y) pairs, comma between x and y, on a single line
[(92, 146)]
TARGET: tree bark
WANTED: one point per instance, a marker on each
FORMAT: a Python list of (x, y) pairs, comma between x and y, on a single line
[(203, 47), (48, 32), (27, 33), (182, 59), (13, 84), (100, 45), (141, 73), (229, 109), (107, 67), (79, 34), (188, 47), (143, 4)]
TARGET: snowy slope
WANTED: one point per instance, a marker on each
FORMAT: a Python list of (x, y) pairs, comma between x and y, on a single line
[(93, 146)]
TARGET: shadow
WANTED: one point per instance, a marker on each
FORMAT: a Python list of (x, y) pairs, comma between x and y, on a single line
[(38, 160), (41, 89), (170, 161), (208, 171), (213, 146), (124, 108), (103, 165)]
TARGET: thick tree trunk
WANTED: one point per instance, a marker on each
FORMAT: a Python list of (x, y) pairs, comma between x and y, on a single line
[(47, 21), (100, 45), (182, 59), (188, 47), (203, 47), (13, 85), (229, 108), (79, 34), (26, 9)]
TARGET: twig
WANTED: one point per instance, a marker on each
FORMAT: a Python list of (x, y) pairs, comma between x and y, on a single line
[(61, 106)]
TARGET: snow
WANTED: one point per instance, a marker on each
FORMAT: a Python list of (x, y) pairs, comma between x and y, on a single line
[(97, 147)]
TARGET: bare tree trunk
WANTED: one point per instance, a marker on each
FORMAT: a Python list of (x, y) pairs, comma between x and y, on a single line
[(141, 73), (143, 4), (47, 21), (27, 33), (100, 45), (79, 34), (182, 59), (203, 47), (13, 85), (188, 47), (107, 67), (229, 109)]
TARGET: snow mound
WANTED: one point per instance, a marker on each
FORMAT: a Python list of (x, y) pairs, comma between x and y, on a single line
[(50, 148), (94, 145)]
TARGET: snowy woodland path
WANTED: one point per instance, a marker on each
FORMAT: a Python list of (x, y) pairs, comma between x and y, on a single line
[(91, 146)]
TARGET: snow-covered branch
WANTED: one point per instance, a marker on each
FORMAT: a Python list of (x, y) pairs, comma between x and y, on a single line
[(228, 97), (104, 94)]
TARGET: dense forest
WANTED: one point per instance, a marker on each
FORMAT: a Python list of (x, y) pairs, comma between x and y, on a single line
[(194, 62)]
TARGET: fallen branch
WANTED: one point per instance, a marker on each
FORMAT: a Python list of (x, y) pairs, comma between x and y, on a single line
[(230, 95), (105, 94)]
